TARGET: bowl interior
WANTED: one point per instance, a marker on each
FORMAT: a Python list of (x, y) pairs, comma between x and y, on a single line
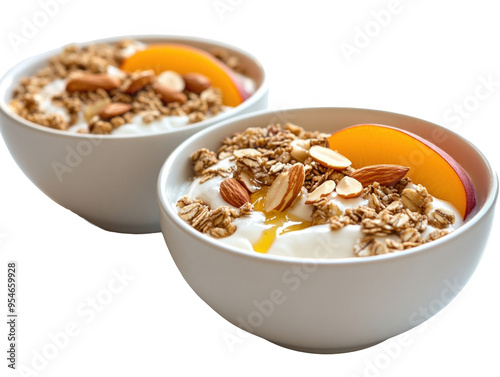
[(178, 169), (253, 70)]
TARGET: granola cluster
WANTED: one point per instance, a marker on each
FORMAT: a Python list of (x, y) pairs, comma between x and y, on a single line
[(393, 217), (388, 215), (94, 61), (217, 222)]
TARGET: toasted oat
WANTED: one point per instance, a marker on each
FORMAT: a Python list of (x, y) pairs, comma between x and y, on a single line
[(441, 218), (356, 215), (436, 234), (323, 211), (411, 235), (417, 199), (393, 245), (368, 246), (337, 222)]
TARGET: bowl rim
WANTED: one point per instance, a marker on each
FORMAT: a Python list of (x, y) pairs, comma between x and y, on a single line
[(7, 85), (270, 258)]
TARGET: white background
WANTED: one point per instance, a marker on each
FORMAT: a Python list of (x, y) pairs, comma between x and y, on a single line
[(427, 57)]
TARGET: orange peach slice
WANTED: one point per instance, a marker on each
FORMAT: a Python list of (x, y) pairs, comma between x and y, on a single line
[(370, 144), (184, 60)]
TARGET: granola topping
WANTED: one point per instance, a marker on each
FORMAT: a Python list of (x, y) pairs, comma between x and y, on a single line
[(69, 91), (288, 209)]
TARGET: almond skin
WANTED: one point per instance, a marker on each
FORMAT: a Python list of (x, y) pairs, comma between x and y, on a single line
[(284, 189), (114, 109), (234, 193), (139, 82), (385, 174), (168, 95), (196, 82), (87, 83)]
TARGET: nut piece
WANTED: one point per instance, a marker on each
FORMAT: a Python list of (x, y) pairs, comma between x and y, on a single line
[(386, 175), (284, 189), (234, 193), (325, 189), (171, 80), (246, 152), (246, 181), (93, 109), (168, 95), (139, 82), (114, 109), (87, 83), (329, 158), (300, 149), (349, 188), (196, 82)]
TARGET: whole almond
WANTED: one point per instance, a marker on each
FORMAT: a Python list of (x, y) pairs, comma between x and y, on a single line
[(139, 82), (329, 158), (234, 193), (385, 174), (114, 109), (168, 95), (87, 83), (284, 189), (196, 82), (349, 187)]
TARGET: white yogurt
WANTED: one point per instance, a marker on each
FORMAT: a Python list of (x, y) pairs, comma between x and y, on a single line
[(44, 98), (313, 242)]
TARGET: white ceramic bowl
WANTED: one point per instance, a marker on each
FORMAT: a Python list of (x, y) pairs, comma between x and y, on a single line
[(108, 180), (321, 305)]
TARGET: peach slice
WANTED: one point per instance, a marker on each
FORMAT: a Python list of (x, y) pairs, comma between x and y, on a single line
[(370, 144), (184, 60)]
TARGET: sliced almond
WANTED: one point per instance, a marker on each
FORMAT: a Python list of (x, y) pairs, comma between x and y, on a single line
[(323, 190), (349, 187), (284, 189), (247, 181), (234, 193), (114, 109), (86, 83), (93, 109), (196, 82), (329, 158), (168, 95), (171, 80), (246, 152), (386, 175), (300, 149), (139, 82)]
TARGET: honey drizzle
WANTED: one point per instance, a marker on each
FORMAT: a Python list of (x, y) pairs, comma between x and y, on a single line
[(281, 222)]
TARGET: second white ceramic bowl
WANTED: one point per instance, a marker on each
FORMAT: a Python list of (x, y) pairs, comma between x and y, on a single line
[(321, 305), (108, 180)]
